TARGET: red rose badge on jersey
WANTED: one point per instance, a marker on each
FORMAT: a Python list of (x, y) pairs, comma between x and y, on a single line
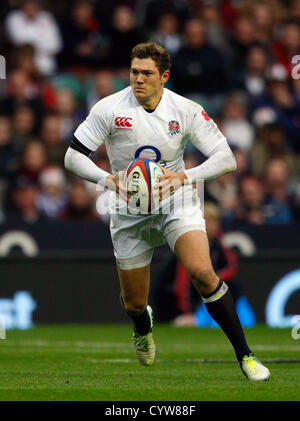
[(174, 127)]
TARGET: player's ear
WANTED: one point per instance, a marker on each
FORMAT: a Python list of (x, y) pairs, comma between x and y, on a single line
[(165, 76)]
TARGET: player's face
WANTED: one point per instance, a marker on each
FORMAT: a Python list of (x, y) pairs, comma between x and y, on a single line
[(146, 81)]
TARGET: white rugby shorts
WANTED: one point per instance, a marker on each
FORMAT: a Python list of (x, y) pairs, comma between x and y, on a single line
[(135, 237)]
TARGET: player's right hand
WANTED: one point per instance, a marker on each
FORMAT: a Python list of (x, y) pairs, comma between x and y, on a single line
[(115, 183)]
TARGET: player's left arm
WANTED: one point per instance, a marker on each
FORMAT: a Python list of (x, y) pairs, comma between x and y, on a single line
[(209, 140)]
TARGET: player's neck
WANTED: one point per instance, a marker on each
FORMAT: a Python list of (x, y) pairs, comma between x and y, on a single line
[(151, 103)]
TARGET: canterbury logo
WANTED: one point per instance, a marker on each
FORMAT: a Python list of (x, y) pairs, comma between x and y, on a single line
[(123, 122)]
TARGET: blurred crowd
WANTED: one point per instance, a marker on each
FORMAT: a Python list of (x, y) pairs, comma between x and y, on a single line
[(240, 59)]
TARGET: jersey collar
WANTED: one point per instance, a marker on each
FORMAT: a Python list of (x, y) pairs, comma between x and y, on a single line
[(156, 109)]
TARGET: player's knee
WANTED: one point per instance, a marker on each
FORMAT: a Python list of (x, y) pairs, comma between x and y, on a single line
[(203, 276)]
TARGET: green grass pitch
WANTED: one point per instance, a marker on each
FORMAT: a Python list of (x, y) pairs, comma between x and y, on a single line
[(97, 363)]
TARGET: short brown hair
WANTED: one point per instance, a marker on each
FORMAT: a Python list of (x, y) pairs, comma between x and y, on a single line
[(158, 54)]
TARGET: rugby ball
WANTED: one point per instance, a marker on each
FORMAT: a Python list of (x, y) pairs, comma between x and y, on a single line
[(140, 177)]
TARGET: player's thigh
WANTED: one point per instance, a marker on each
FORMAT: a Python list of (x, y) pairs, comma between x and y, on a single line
[(134, 285), (192, 249)]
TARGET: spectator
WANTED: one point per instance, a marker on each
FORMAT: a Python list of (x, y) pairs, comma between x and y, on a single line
[(278, 201), (250, 207), (242, 38), (211, 15), (271, 144), (235, 126), (81, 204), (265, 15), (24, 198), (66, 109), (52, 199), (296, 86), (83, 41), (20, 92), (223, 191), (167, 33), (148, 12), (123, 35), (296, 94), (30, 24), (252, 77), (294, 10), (24, 125), (8, 157), (23, 59), (51, 137), (243, 163), (282, 101), (198, 69), (104, 85), (32, 162), (103, 11), (230, 11), (287, 45), (295, 202)]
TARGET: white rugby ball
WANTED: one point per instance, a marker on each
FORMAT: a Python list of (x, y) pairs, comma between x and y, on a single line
[(140, 177)]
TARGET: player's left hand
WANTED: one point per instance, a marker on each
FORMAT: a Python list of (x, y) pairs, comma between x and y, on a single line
[(169, 182)]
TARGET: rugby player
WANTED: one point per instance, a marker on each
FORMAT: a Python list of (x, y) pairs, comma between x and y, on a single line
[(147, 119)]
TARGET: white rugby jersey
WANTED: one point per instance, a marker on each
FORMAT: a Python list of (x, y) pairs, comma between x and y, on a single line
[(129, 131)]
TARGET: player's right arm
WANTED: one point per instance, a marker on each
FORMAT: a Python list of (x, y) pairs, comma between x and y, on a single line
[(87, 138), (78, 162)]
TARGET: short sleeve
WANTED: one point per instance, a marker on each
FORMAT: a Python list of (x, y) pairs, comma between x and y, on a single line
[(92, 132)]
